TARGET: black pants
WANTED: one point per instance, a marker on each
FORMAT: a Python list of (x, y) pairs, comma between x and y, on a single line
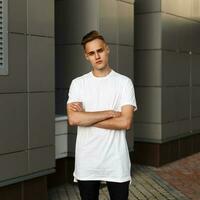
[(89, 190)]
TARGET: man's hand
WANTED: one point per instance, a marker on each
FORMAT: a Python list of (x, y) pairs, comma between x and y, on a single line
[(76, 107)]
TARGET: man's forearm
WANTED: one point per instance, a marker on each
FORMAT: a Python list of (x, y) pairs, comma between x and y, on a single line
[(90, 118), (118, 123)]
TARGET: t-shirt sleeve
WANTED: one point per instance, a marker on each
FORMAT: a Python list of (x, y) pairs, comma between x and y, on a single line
[(74, 92), (128, 95)]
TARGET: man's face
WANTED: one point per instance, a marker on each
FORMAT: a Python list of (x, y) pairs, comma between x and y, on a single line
[(96, 52)]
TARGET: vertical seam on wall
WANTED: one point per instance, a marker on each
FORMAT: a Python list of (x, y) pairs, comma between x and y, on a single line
[(28, 83)]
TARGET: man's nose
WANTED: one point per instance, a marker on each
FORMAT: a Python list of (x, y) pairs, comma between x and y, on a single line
[(97, 56)]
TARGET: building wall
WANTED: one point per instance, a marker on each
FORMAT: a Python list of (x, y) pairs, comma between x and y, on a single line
[(167, 64), (27, 93), (114, 19)]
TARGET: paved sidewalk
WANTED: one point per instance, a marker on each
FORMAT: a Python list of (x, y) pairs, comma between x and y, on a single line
[(146, 185), (184, 175)]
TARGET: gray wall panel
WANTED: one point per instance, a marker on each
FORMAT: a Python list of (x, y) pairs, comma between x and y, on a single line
[(13, 165), (195, 12), (168, 104), (70, 63), (172, 64), (169, 31), (61, 98), (128, 1), (148, 132), (16, 81), (184, 34), (41, 64), (195, 33), (177, 7), (182, 103), (144, 6), (79, 19), (42, 21), (125, 21), (17, 16), (125, 57), (195, 69), (108, 18), (41, 119), (195, 101), (113, 59), (149, 105), (41, 159), (61, 30), (13, 129), (148, 70), (148, 31), (195, 124)]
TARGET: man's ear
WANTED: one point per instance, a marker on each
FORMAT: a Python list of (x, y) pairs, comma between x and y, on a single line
[(86, 56), (107, 49)]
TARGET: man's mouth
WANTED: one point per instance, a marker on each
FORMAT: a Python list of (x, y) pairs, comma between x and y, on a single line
[(99, 62)]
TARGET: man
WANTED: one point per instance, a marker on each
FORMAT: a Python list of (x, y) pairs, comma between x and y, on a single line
[(101, 103)]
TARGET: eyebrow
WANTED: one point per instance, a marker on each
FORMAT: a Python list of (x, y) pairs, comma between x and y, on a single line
[(98, 50)]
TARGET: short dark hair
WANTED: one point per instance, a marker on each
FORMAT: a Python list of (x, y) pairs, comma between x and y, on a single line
[(92, 35)]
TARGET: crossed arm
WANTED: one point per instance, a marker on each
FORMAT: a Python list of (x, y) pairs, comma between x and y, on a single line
[(108, 119)]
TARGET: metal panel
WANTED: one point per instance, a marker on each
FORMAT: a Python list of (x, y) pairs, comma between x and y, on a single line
[(113, 59), (13, 165), (17, 79), (169, 31), (148, 68), (60, 29), (179, 7), (70, 63), (148, 31), (41, 159), (168, 104), (109, 20), (125, 20), (195, 101), (182, 103), (125, 57), (61, 99), (41, 119), (144, 6), (195, 69), (79, 18), (149, 104), (184, 34), (195, 13), (13, 120), (195, 33), (195, 124), (128, 1), (42, 21), (172, 64), (61, 146), (17, 16), (41, 64), (147, 132)]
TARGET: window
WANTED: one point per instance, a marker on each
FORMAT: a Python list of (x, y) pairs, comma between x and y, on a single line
[(3, 37)]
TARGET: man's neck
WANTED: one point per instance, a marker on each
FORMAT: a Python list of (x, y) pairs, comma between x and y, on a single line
[(101, 73)]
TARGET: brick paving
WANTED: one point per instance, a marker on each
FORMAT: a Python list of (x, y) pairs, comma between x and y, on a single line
[(184, 175), (146, 185)]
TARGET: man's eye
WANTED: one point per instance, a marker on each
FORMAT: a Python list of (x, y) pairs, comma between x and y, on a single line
[(91, 53), (100, 50)]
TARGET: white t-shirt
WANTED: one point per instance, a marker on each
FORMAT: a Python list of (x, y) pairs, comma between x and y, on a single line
[(102, 154)]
